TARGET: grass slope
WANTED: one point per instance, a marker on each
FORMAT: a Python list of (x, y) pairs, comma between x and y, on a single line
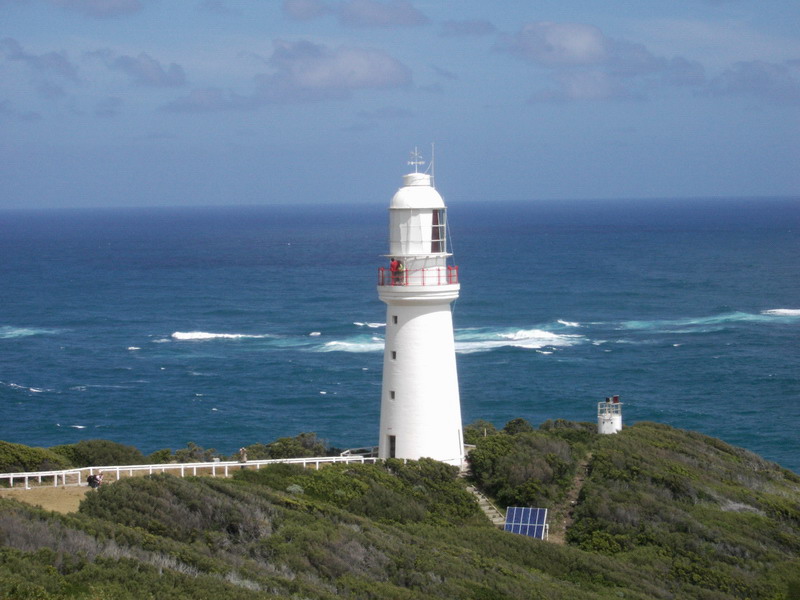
[(663, 514)]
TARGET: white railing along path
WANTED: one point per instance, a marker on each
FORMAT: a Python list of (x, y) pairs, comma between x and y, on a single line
[(77, 477)]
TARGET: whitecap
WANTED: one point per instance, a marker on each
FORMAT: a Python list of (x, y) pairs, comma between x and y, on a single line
[(568, 323), (9, 332), (134, 348), (370, 325), (16, 386), (78, 426), (205, 335), (782, 312), (476, 340), (694, 324), (314, 334), (354, 345)]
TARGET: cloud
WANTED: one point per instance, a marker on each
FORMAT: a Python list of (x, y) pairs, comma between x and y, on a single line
[(444, 73), (371, 13), (778, 82), (210, 99), (467, 28), (145, 70), (386, 113), (358, 13), (6, 108), (100, 8), (558, 44), (585, 64), (589, 84), (108, 107), (305, 10), (54, 63), (305, 72), (217, 7)]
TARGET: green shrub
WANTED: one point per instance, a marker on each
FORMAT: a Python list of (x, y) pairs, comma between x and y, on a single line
[(93, 453), (15, 458), (477, 430)]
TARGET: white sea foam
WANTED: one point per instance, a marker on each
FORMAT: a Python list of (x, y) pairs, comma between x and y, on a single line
[(478, 340), (569, 323), (370, 325), (78, 426), (8, 332), (355, 344), (16, 386), (134, 348), (315, 334), (204, 335), (782, 312), (706, 324)]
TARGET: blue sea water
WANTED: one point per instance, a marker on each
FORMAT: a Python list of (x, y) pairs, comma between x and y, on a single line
[(231, 326)]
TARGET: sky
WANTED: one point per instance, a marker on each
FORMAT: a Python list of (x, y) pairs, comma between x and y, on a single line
[(242, 102)]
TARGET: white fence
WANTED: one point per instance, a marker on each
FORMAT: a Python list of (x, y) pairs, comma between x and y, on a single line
[(77, 477)]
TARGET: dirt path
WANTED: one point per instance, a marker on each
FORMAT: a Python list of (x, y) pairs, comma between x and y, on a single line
[(563, 513), (59, 499)]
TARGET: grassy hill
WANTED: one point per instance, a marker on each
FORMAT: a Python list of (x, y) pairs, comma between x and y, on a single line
[(662, 513)]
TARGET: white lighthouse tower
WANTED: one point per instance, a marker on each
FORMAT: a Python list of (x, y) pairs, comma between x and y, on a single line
[(420, 406)]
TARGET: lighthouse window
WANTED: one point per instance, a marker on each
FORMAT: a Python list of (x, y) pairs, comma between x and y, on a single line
[(392, 446), (394, 319), (391, 394), (438, 231), (394, 355)]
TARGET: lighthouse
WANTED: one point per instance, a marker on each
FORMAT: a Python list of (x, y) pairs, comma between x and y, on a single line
[(420, 405)]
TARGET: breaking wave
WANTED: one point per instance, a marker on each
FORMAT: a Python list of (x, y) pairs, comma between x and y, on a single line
[(24, 388), (8, 332), (782, 312), (708, 324), (469, 340), (484, 340), (204, 336), (370, 325), (355, 344)]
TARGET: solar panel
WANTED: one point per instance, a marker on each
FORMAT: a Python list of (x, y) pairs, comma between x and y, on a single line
[(527, 521)]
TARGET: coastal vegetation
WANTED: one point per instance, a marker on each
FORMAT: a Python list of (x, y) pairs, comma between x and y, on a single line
[(660, 513)]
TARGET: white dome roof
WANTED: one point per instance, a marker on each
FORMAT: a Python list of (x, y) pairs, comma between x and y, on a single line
[(417, 192)]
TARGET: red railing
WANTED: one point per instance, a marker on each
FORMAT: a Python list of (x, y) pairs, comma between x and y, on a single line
[(432, 276)]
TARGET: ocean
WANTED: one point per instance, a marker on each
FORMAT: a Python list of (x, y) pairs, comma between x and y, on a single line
[(237, 325)]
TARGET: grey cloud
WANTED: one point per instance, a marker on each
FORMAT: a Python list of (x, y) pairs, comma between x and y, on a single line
[(467, 28), (209, 100), (778, 82), (109, 107), (305, 10), (444, 73), (217, 7), (305, 72), (49, 90), (6, 108), (371, 13), (386, 113), (55, 63), (559, 44), (100, 8), (358, 13), (585, 64), (145, 70)]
